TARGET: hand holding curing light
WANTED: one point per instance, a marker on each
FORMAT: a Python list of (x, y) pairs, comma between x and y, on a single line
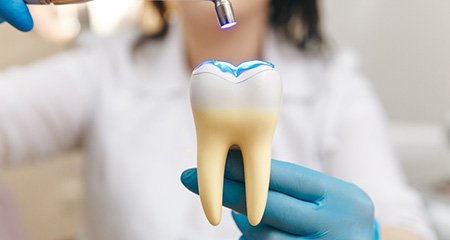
[(224, 9), (235, 106)]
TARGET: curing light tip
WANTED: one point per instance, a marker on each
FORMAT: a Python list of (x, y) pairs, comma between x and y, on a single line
[(228, 25), (225, 13)]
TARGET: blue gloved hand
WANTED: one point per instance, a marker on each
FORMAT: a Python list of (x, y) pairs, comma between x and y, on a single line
[(16, 13), (302, 204)]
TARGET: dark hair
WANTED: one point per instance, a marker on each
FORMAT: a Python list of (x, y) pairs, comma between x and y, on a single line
[(161, 7), (298, 20)]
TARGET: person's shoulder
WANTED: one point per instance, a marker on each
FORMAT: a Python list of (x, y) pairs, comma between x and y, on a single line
[(344, 72), (335, 70), (342, 61), (118, 42), (336, 74), (328, 72), (90, 47)]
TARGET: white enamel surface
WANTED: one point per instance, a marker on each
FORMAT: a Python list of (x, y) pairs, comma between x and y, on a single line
[(258, 89), (243, 76)]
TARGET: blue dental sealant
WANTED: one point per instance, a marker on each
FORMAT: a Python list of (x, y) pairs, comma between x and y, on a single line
[(227, 67)]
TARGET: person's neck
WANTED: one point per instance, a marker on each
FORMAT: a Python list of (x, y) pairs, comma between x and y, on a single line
[(243, 42)]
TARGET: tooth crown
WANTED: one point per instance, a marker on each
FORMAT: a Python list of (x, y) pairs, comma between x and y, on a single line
[(254, 87), (235, 106)]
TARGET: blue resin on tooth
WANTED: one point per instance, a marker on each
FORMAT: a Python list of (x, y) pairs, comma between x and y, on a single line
[(236, 71)]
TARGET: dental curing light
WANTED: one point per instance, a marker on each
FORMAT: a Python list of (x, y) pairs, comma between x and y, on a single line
[(224, 9)]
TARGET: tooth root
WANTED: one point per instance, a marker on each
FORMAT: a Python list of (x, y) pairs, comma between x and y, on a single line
[(211, 158), (211, 167), (257, 151), (253, 133), (257, 176)]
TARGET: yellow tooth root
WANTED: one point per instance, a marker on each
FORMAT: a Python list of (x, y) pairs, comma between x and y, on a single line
[(212, 154), (257, 158), (217, 130)]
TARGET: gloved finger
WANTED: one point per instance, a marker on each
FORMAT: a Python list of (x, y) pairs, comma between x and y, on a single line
[(260, 232), (282, 211), (17, 14), (296, 181)]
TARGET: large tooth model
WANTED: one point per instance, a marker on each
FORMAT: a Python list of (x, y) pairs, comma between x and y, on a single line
[(235, 106)]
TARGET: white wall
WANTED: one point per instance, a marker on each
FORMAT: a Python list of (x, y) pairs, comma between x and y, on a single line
[(405, 50)]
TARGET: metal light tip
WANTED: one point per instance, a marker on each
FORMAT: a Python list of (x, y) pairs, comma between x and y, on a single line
[(225, 13)]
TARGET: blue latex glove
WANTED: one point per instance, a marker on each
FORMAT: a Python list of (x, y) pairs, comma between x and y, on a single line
[(302, 204), (16, 13)]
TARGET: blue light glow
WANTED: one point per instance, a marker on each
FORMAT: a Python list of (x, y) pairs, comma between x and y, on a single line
[(237, 71), (229, 25)]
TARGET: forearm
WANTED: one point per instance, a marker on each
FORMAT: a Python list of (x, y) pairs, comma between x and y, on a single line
[(391, 233)]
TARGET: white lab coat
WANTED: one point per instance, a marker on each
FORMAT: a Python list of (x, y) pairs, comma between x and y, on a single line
[(132, 112)]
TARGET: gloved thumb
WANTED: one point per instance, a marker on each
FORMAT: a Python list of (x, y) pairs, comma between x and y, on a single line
[(17, 14), (189, 180)]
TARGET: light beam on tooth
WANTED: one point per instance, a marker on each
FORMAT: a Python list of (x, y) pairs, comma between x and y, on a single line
[(235, 106)]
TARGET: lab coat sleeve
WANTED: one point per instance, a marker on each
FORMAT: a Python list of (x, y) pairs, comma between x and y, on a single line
[(45, 107), (358, 151)]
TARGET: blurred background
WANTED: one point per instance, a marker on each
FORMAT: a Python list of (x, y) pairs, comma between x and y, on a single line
[(404, 47)]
